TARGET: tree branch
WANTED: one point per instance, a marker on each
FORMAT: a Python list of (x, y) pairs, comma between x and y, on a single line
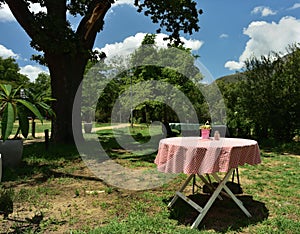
[(56, 8), (93, 21), (20, 10)]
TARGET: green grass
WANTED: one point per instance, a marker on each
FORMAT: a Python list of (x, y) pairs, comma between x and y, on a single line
[(276, 182), (137, 155), (139, 220), (271, 193), (39, 127)]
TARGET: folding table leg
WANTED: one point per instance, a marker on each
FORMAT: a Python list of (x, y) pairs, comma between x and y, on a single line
[(180, 190), (216, 193), (234, 198), (209, 185), (211, 199)]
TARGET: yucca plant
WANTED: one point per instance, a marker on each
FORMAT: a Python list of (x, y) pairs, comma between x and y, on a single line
[(42, 102), (12, 106)]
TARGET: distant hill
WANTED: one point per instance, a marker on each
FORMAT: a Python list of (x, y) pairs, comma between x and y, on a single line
[(231, 78)]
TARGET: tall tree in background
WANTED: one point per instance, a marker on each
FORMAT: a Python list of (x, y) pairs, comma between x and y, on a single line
[(267, 98), (42, 84), (66, 51), (9, 72)]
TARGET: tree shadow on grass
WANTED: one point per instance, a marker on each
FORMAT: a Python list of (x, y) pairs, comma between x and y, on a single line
[(222, 216), (39, 161), (110, 144)]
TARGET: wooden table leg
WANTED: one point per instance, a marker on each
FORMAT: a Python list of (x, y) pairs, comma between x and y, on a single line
[(234, 198), (180, 191), (212, 199)]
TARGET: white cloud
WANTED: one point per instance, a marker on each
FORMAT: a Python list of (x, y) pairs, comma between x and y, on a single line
[(264, 11), (233, 65), (192, 44), (6, 53), (122, 2), (118, 3), (224, 35), (35, 8), (267, 37), (295, 6), (32, 72), (133, 42), (5, 14)]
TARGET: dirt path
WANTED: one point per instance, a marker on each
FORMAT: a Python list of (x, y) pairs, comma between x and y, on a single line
[(123, 125)]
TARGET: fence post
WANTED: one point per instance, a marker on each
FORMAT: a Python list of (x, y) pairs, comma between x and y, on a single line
[(33, 129), (46, 131), (0, 168)]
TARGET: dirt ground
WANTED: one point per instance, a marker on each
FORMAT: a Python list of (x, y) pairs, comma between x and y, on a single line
[(63, 203)]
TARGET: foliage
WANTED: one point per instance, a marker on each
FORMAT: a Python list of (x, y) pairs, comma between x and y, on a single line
[(39, 94), (272, 87), (265, 102), (13, 106), (205, 126), (94, 84), (213, 107), (9, 72), (42, 101), (149, 39), (42, 84), (162, 12), (66, 50), (175, 67), (238, 124)]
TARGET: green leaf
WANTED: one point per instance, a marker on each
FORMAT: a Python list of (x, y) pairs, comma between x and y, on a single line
[(6, 89), (32, 108), (47, 108), (8, 119), (23, 123)]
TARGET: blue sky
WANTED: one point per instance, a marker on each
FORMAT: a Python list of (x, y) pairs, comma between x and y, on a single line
[(231, 31)]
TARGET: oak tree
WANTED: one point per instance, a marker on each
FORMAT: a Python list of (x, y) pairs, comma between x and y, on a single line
[(66, 50)]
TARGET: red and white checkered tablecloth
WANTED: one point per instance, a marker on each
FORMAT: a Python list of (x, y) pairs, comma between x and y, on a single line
[(192, 155)]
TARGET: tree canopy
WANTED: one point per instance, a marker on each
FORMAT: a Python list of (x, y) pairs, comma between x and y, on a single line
[(66, 51), (10, 72), (50, 30), (265, 101), (151, 85)]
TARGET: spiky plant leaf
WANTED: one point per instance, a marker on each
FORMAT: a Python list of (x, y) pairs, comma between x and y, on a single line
[(7, 122)]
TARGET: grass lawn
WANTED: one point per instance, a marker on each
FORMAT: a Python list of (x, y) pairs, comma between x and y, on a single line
[(39, 127), (54, 192)]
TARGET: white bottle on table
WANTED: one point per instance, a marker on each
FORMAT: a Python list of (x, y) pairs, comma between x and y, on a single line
[(217, 135)]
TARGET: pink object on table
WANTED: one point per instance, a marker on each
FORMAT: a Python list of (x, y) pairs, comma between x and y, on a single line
[(194, 155), (205, 133)]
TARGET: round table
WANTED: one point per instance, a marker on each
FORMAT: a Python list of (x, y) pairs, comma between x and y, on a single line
[(193, 155), (197, 156)]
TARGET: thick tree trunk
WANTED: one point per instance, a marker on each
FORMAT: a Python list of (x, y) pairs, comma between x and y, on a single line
[(66, 54), (66, 75)]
